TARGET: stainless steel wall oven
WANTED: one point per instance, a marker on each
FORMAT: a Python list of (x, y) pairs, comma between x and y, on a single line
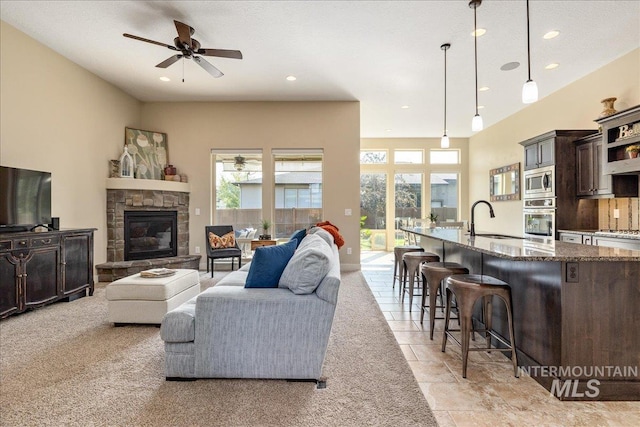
[(540, 217)]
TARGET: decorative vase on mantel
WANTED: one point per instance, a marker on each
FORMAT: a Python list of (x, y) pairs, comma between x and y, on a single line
[(608, 110)]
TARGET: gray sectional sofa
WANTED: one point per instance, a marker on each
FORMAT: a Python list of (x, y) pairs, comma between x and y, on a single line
[(229, 331)]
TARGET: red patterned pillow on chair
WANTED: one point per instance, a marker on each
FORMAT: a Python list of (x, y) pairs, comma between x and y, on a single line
[(221, 242)]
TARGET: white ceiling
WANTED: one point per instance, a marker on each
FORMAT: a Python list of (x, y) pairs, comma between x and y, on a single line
[(385, 54)]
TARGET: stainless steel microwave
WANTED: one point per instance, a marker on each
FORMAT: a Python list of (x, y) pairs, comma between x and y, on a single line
[(539, 183)]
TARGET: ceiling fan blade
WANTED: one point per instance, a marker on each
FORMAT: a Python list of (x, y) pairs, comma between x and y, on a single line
[(208, 67), (149, 41), (169, 61), (223, 53), (184, 33)]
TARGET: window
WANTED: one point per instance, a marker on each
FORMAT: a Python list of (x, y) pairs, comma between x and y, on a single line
[(373, 211), (444, 196), (408, 157), (444, 157), (371, 157), (298, 190), (408, 200), (238, 183)]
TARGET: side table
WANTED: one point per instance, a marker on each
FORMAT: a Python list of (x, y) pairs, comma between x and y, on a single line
[(258, 243)]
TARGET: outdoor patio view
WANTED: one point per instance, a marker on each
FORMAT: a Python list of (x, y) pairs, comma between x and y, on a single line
[(297, 192)]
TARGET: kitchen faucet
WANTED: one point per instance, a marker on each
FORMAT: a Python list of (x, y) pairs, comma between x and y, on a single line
[(472, 230)]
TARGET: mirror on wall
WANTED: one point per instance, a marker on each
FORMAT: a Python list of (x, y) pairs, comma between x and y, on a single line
[(504, 183)]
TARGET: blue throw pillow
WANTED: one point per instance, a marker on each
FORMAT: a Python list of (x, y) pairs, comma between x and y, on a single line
[(268, 263), (298, 236)]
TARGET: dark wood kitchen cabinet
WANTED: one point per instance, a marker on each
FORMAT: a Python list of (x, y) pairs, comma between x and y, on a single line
[(591, 182), (539, 153), (38, 268)]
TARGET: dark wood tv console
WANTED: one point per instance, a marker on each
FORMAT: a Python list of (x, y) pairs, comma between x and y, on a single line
[(39, 268)]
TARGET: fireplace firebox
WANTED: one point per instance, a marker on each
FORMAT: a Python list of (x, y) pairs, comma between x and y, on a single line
[(150, 234)]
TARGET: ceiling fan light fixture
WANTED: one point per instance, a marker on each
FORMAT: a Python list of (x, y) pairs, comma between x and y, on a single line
[(530, 88), (239, 163)]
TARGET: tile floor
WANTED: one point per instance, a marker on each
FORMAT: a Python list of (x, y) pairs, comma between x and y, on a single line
[(490, 395)]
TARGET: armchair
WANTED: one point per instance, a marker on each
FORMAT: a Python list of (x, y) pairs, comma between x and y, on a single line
[(213, 254)]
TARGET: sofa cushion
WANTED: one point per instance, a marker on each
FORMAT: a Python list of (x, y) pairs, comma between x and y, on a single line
[(235, 278), (298, 236), (308, 266), (267, 265)]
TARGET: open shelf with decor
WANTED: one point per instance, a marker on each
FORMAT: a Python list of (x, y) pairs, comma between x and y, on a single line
[(621, 142)]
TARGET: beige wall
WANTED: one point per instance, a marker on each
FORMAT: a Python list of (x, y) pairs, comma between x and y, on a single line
[(572, 107), (194, 128), (61, 118), (390, 144)]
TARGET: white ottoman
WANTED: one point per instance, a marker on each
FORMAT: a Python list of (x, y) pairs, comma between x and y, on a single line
[(136, 299)]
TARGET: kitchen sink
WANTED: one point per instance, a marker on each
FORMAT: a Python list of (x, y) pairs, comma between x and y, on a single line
[(497, 236)]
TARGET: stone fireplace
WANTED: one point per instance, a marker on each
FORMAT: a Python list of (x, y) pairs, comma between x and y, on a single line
[(139, 198)]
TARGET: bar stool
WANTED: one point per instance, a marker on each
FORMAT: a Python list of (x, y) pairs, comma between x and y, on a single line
[(398, 268), (412, 262), (468, 288), (433, 274)]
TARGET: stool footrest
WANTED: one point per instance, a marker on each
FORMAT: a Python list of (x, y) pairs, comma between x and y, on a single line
[(492, 333)]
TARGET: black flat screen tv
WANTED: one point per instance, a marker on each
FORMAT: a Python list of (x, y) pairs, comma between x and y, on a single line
[(25, 198)]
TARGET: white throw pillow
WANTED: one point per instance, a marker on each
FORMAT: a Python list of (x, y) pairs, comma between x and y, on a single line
[(307, 267)]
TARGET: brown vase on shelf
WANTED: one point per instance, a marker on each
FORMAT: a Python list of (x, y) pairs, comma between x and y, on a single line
[(608, 110)]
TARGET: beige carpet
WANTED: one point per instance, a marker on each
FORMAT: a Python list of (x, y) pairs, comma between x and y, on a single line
[(65, 365)]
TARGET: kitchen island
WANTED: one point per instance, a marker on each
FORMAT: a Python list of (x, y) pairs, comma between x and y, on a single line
[(576, 308)]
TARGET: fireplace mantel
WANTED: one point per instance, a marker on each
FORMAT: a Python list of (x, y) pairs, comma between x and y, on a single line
[(147, 184)]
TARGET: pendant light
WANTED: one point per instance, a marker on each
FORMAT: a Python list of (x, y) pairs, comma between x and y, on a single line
[(444, 142), (530, 88), (476, 123)]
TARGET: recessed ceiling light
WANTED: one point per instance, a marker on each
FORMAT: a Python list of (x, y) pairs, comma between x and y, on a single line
[(291, 78), (552, 66), (510, 66), (479, 32), (404, 107), (484, 88), (480, 107), (387, 130), (551, 34), (165, 79)]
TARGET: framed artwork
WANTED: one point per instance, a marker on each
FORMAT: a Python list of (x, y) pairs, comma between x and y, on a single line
[(149, 152)]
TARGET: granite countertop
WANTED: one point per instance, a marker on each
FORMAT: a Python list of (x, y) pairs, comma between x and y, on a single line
[(518, 249), (602, 233)]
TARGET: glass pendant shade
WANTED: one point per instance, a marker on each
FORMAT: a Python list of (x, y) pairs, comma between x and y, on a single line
[(476, 123), (529, 92), (444, 142)]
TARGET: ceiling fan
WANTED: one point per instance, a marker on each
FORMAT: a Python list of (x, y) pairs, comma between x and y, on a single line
[(189, 48)]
